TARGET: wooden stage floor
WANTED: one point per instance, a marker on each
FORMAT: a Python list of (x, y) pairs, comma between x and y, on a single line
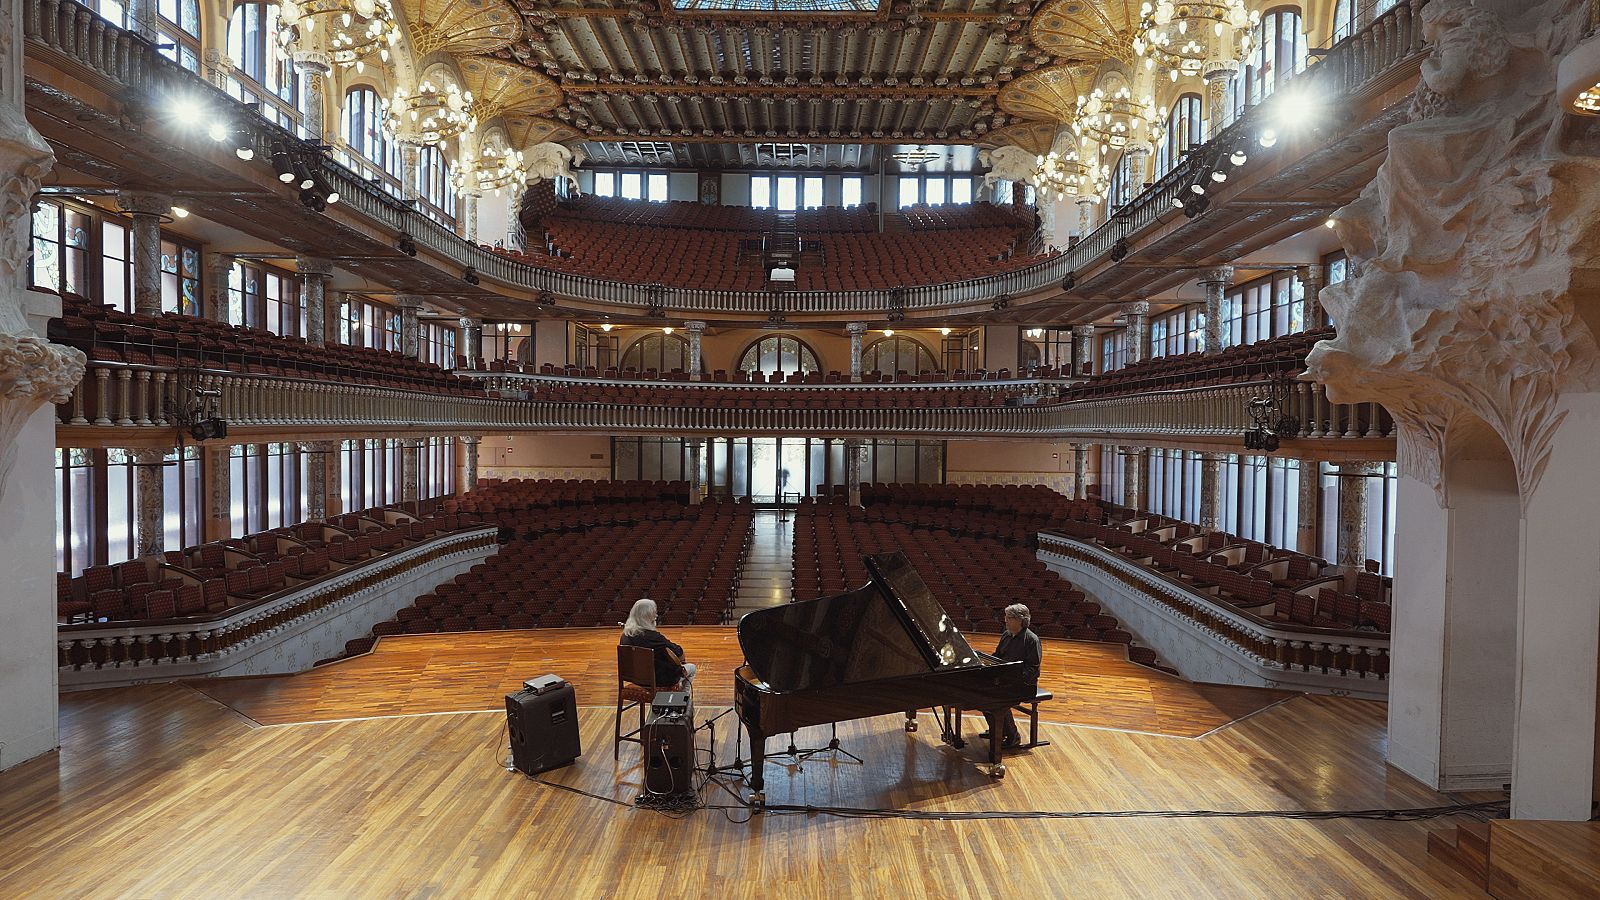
[(381, 777)]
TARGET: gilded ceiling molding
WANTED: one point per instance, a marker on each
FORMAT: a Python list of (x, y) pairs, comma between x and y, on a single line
[(1087, 30), (1475, 249), (1035, 137), (1049, 94), (525, 131), (506, 88), (462, 27)]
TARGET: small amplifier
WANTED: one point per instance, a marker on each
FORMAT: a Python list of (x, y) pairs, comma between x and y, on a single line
[(543, 684), (670, 703), (668, 755)]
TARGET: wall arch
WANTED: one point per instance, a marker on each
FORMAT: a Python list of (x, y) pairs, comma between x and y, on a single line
[(778, 353), (898, 353)]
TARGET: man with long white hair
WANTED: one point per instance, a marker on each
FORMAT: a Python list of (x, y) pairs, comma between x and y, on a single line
[(640, 631)]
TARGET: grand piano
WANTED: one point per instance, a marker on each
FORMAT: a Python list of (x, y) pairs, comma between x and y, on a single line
[(885, 648)]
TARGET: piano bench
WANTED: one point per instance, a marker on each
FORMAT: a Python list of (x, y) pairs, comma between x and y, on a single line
[(1031, 709)]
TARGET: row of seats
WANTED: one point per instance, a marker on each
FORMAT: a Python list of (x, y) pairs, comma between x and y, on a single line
[(743, 219), (170, 340), (214, 577), (516, 499), (1268, 582), (1012, 514), (972, 577), (552, 574), (722, 376), (1247, 362)]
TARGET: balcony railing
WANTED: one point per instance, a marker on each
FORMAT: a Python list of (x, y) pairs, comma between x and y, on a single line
[(136, 397), (101, 654), (1273, 653), (75, 32)]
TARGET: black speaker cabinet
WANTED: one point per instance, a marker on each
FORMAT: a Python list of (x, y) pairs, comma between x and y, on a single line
[(544, 729), (668, 755)]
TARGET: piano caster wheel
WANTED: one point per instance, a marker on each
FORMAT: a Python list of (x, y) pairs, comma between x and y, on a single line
[(997, 771), (758, 800), (911, 725)]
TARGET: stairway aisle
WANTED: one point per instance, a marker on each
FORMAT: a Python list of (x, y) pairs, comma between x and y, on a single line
[(768, 564)]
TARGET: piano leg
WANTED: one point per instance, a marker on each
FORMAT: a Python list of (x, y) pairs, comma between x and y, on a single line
[(952, 727), (911, 720), (996, 768), (758, 762)]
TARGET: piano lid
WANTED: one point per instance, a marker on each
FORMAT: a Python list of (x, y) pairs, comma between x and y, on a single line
[(890, 628)]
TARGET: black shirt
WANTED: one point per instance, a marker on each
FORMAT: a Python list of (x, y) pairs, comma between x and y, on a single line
[(668, 673), (1022, 647)]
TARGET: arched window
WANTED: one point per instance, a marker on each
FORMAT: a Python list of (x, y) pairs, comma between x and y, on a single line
[(178, 32), (256, 54), (1344, 19), (1125, 183), (662, 352), (363, 130), (1280, 51), (897, 354), (1184, 130), (778, 353)]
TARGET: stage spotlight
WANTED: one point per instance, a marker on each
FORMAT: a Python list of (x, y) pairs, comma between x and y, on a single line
[(1069, 282), (282, 162), (1196, 206), (470, 275), (1119, 250), (179, 212), (1268, 137), (218, 131), (1238, 158), (407, 245), (312, 200), (1219, 176), (1198, 188), (1177, 202), (186, 112)]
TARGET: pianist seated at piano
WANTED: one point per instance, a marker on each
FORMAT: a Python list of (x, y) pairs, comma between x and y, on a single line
[(1018, 644), (640, 631)]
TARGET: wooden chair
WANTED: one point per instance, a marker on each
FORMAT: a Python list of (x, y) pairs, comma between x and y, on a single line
[(636, 687)]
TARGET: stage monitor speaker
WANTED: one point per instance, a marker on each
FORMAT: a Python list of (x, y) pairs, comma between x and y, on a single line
[(668, 755), (543, 728)]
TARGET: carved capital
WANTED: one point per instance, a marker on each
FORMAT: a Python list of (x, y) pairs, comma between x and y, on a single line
[(694, 327), (33, 372), (855, 329), (1222, 275), (1139, 309), (313, 265), (1082, 332), (144, 203)]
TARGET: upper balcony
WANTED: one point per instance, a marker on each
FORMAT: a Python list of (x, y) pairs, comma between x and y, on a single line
[(96, 93)]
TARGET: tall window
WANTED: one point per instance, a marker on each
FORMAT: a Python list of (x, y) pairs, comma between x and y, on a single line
[(813, 191), (761, 191), (1114, 350), (436, 471), (1125, 182), (1266, 307), (851, 186), (788, 193), (778, 353), (96, 518), (896, 354), (605, 184), (180, 277), (179, 27), (76, 508), (910, 191), (371, 473), (438, 342), (1184, 130), (256, 54), (1279, 53), (363, 131), (1344, 19), (1381, 488), (961, 190), (662, 352), (1178, 332), (262, 297), (434, 183), (632, 185), (656, 187), (113, 11)]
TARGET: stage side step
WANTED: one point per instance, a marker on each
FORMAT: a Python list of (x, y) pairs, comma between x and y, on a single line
[(1467, 851)]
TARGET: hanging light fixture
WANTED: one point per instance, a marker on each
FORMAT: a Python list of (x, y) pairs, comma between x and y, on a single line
[(1194, 36), (435, 112), (356, 29), (1113, 119), (495, 167)]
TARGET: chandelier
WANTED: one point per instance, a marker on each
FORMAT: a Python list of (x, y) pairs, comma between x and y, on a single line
[(1062, 175), (355, 28), (1191, 37), (494, 168), (1115, 119), (914, 158), (434, 113)]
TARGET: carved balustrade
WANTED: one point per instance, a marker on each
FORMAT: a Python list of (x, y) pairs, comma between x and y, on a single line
[(137, 398)]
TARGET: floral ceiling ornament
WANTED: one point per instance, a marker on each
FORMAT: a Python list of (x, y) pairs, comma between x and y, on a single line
[(460, 27)]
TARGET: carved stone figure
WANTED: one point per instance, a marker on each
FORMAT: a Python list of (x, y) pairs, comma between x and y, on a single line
[(1473, 250), (550, 161), (1007, 163)]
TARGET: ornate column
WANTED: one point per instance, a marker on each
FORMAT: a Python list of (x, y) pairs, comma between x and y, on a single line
[(1085, 216), (1216, 282), (1211, 491), (471, 340), (410, 328), (317, 454), (694, 329), (1353, 515), (147, 209), (516, 237), (467, 480), (148, 489), (315, 272), (218, 475), (314, 67), (469, 215), (332, 479), (855, 330), (1217, 75), (852, 469), (1133, 459), (1083, 350), (697, 484), (1311, 284), (1310, 494), (218, 267), (1080, 471), (410, 161), (1138, 319), (411, 468)]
